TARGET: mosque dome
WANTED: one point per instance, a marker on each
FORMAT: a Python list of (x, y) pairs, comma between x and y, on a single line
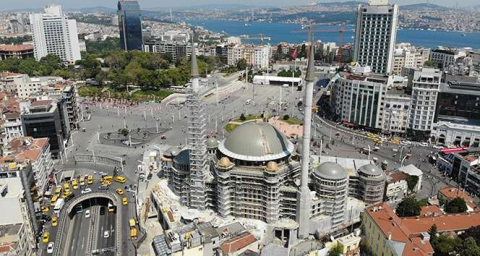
[(331, 171), (256, 142)]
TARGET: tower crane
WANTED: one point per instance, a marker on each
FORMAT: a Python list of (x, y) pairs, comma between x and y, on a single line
[(260, 37), (340, 31)]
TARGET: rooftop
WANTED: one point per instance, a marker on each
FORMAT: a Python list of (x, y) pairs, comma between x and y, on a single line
[(254, 141), (431, 210), (236, 243), (452, 193), (16, 48), (409, 230)]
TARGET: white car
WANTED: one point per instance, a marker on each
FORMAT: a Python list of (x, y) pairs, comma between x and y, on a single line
[(424, 144), (87, 214), (50, 247), (87, 190), (106, 234)]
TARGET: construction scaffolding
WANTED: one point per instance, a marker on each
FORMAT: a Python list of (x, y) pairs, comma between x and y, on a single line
[(197, 141)]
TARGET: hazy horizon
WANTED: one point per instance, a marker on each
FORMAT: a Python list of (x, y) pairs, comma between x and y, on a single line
[(145, 4)]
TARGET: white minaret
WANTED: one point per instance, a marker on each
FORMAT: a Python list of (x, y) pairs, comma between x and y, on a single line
[(304, 206), (196, 139)]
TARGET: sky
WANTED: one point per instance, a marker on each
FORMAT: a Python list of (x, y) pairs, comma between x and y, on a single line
[(20, 4)]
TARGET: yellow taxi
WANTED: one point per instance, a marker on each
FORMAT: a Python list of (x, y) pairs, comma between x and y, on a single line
[(66, 195), (74, 184), (120, 179), (46, 237), (119, 191), (90, 179), (125, 201), (66, 187), (107, 182), (45, 209), (108, 177), (82, 181), (54, 221), (58, 191)]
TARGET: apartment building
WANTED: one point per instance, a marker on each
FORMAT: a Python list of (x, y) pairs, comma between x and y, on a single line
[(444, 57), (387, 234), (360, 99), (424, 86), (17, 233)]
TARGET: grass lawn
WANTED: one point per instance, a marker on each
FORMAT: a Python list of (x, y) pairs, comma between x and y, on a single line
[(88, 91), (248, 118), (151, 94), (147, 95), (230, 127), (293, 121)]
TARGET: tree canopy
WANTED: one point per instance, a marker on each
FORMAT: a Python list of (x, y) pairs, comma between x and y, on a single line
[(408, 207), (457, 205)]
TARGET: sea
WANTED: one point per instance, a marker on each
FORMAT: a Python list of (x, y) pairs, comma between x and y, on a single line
[(288, 32)]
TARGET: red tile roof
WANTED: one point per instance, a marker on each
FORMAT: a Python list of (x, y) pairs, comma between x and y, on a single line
[(408, 230), (397, 176), (236, 243), (431, 210), (452, 193)]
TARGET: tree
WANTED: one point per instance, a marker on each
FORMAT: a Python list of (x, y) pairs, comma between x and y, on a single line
[(337, 250), (243, 118), (457, 205), (408, 207), (433, 233), (411, 182), (286, 117), (430, 63), (472, 232), (445, 244), (124, 132), (242, 64), (469, 248)]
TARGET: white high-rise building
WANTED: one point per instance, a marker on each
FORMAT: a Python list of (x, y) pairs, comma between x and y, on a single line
[(53, 33), (375, 35), (424, 84)]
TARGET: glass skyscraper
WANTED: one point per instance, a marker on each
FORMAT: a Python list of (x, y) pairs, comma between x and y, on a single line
[(130, 24)]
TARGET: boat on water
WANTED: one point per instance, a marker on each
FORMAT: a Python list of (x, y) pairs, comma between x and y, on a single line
[(464, 34), (247, 25)]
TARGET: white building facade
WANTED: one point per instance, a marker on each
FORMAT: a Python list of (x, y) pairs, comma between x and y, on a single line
[(54, 34), (375, 35), (396, 112), (360, 102), (424, 86)]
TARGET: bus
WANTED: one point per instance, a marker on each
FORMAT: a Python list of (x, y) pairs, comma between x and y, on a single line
[(54, 200), (111, 207)]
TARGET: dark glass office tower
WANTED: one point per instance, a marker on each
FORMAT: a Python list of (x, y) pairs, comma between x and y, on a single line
[(130, 23)]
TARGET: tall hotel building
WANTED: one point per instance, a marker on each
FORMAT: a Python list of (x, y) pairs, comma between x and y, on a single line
[(375, 35), (54, 34), (130, 25)]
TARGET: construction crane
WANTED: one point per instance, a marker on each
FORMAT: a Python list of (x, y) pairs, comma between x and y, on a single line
[(340, 31), (260, 37)]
